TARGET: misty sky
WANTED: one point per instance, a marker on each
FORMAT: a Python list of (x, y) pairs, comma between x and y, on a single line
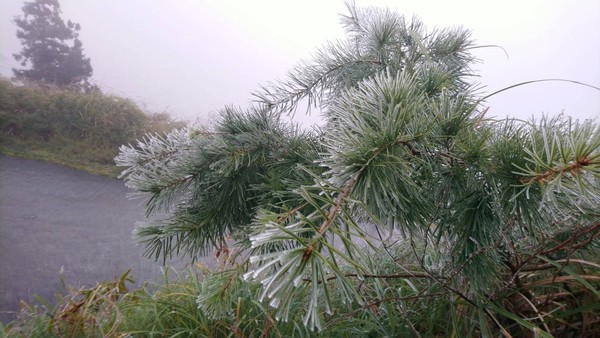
[(191, 58)]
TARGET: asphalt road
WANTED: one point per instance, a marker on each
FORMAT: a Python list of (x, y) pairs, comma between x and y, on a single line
[(53, 219)]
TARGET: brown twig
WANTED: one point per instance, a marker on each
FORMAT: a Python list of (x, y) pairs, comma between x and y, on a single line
[(572, 168), (392, 276), (332, 213)]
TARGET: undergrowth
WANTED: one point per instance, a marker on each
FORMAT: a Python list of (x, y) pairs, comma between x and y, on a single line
[(221, 303), (80, 130)]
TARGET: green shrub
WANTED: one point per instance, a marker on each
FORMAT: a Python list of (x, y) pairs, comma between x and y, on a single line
[(83, 130)]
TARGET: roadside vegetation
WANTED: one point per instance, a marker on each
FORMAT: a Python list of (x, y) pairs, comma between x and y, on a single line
[(409, 214), (79, 129)]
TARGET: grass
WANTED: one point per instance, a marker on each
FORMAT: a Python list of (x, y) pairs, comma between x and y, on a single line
[(76, 129), (110, 309), (219, 303), (66, 154)]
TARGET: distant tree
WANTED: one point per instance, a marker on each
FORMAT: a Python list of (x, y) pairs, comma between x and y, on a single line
[(51, 47)]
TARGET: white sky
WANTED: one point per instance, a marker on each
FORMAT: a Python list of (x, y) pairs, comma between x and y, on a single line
[(191, 58)]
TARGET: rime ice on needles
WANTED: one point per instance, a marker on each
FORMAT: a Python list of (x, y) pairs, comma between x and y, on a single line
[(472, 205)]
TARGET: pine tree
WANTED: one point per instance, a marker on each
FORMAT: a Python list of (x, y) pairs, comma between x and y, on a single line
[(408, 213), (51, 47)]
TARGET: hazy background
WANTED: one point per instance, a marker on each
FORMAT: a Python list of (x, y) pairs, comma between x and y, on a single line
[(191, 58)]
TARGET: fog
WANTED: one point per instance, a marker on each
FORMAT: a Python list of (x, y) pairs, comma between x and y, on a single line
[(190, 58)]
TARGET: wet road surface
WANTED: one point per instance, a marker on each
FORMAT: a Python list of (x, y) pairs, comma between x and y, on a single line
[(54, 218)]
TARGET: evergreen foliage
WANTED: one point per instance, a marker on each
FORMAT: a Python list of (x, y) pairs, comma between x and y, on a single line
[(409, 213), (51, 47)]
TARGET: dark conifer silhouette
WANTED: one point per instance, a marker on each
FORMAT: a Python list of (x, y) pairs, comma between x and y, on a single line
[(52, 52)]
